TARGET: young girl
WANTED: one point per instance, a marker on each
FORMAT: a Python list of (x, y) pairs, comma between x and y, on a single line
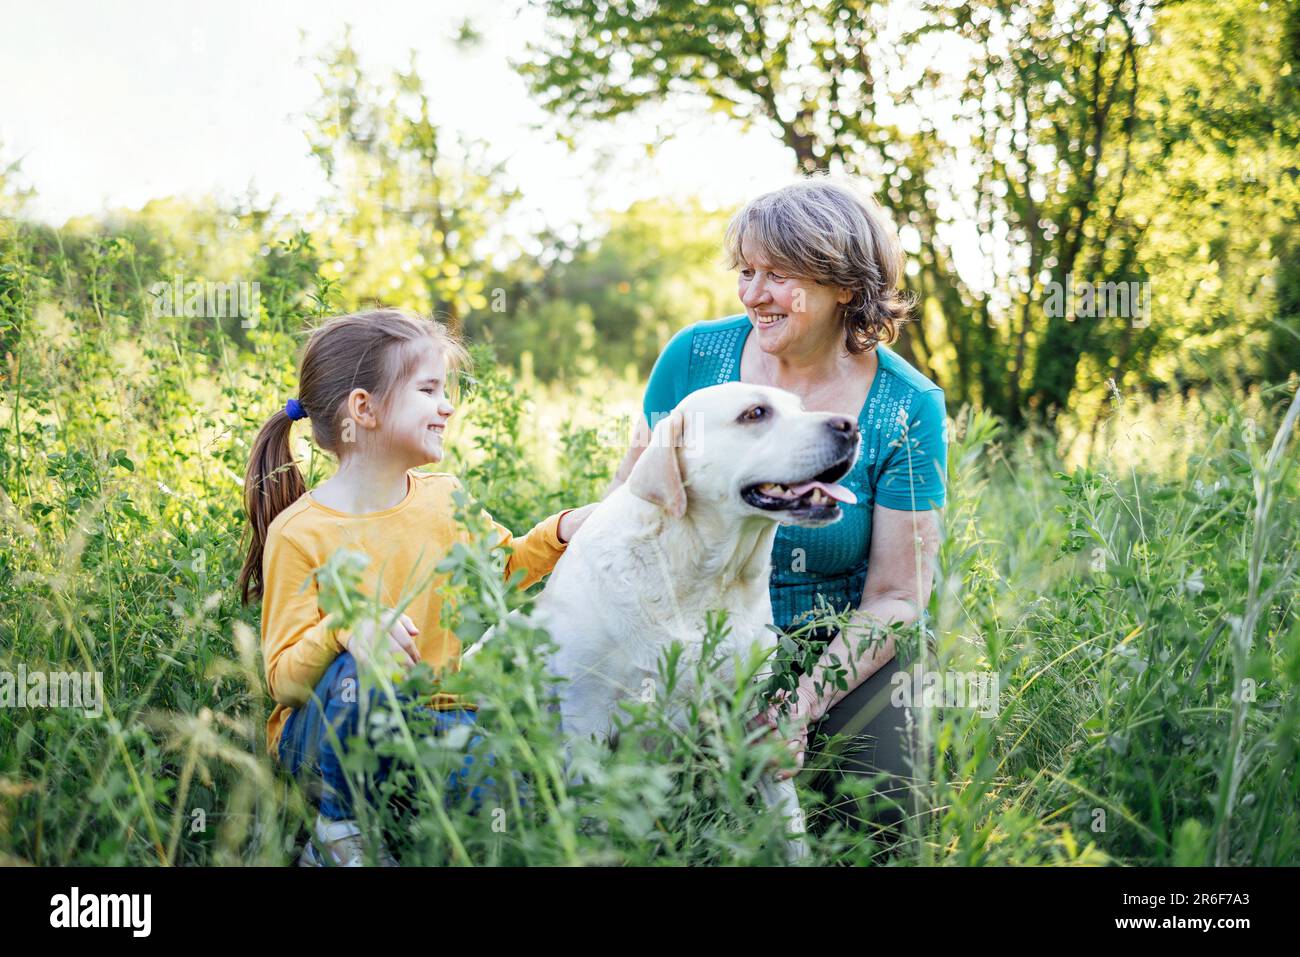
[(373, 386)]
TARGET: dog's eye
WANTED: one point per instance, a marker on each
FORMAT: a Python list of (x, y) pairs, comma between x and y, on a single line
[(755, 413)]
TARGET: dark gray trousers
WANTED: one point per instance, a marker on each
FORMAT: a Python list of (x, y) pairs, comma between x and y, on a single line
[(873, 747)]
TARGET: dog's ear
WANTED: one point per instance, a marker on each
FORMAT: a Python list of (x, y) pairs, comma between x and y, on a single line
[(657, 475)]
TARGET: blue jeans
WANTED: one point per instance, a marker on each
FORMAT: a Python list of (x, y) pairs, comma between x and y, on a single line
[(308, 747)]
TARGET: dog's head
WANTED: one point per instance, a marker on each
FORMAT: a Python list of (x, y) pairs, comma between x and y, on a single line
[(749, 450)]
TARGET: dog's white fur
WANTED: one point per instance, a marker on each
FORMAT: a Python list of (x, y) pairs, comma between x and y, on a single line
[(676, 541)]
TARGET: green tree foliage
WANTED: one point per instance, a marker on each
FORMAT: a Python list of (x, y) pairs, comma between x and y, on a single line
[(1283, 351), (411, 215), (614, 299), (1090, 142)]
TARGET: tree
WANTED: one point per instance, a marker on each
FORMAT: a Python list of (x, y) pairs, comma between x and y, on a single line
[(613, 298), (1283, 352), (804, 69), (1054, 136), (410, 218)]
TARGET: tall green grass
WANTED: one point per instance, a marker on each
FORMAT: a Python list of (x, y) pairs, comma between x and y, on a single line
[(1137, 607)]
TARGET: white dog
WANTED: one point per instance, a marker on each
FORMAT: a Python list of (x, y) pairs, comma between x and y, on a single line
[(692, 531)]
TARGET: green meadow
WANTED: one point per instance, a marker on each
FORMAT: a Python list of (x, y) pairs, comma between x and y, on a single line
[(1119, 546)]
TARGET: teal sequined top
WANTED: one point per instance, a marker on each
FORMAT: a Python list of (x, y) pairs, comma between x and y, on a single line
[(908, 476)]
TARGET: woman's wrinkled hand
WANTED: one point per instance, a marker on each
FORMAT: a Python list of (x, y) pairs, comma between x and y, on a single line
[(802, 712)]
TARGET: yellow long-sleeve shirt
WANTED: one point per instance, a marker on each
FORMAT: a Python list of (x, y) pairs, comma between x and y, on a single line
[(404, 543)]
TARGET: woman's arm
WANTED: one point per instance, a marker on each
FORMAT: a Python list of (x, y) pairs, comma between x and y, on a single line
[(900, 576), (904, 549)]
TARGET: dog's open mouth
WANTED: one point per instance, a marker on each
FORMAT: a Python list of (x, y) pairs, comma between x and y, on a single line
[(817, 497)]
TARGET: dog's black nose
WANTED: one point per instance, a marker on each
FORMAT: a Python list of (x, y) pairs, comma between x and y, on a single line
[(842, 424), (845, 431)]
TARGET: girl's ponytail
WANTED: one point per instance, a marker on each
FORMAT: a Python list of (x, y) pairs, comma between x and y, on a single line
[(272, 483)]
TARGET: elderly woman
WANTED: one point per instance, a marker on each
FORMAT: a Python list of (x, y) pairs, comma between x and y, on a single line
[(819, 269)]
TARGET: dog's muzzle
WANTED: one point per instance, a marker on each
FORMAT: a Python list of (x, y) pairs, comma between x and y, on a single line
[(814, 498)]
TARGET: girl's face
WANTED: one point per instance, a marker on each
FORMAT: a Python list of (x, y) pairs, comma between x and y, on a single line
[(418, 412), (785, 309)]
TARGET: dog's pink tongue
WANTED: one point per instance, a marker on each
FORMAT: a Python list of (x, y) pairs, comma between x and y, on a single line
[(837, 492)]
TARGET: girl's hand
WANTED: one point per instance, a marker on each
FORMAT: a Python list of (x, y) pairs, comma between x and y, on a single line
[(369, 642), (803, 711), (572, 521)]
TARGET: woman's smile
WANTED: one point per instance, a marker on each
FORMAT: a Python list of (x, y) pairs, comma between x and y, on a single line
[(776, 330)]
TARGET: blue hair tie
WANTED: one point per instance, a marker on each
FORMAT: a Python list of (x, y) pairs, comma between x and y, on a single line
[(294, 410)]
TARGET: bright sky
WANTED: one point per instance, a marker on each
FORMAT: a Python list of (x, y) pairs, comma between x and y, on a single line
[(112, 104)]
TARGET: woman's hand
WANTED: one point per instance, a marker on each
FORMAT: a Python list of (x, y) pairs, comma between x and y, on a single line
[(370, 643), (803, 711)]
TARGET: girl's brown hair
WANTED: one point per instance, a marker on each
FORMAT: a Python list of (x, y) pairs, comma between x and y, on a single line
[(376, 351), (829, 232)]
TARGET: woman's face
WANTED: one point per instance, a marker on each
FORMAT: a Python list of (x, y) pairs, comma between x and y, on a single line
[(788, 311)]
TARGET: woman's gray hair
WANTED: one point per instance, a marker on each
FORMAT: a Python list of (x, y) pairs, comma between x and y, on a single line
[(827, 231)]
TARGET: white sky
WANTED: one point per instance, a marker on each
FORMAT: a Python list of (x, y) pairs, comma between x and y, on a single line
[(112, 104)]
